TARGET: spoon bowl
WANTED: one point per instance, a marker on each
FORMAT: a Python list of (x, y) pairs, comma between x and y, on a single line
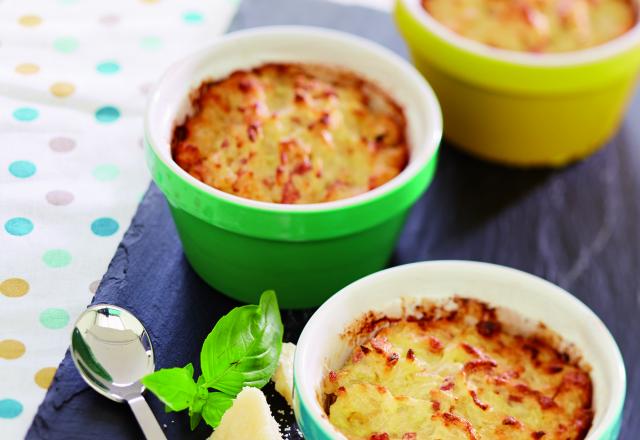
[(112, 351)]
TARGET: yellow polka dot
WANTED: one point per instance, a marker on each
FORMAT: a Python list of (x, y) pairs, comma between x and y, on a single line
[(11, 349), (14, 287), (27, 68), (44, 377), (62, 89), (30, 20)]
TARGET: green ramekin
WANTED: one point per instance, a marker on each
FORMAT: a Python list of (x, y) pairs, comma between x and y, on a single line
[(305, 252)]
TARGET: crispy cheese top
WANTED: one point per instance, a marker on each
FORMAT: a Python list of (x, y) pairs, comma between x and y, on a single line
[(536, 25), (458, 375), (292, 133)]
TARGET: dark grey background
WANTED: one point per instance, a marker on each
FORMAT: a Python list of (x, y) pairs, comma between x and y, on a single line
[(578, 227)]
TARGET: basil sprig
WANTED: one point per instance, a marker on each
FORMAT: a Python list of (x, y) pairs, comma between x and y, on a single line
[(242, 350)]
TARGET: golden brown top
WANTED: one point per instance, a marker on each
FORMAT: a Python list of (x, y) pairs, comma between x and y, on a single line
[(536, 25), (292, 133), (458, 374)]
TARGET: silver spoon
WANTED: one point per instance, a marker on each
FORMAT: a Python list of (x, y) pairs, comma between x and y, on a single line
[(112, 351)]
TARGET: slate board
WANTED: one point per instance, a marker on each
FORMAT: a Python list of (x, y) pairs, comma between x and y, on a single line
[(578, 227)]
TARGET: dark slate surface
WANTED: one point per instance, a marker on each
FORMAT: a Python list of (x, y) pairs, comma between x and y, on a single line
[(578, 227)]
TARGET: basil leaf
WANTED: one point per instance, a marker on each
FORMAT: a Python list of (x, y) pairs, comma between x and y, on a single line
[(243, 347), (189, 369), (217, 404), (174, 386), (194, 419), (200, 399)]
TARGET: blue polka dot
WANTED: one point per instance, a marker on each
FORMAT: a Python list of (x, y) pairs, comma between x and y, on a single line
[(104, 226), (108, 67), (18, 226), (25, 114), (193, 17), (107, 114), (10, 409), (22, 169)]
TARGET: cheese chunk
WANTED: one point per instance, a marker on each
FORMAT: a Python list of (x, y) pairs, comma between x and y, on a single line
[(283, 376), (248, 418)]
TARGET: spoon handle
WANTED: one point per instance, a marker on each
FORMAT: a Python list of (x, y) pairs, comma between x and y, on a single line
[(146, 419)]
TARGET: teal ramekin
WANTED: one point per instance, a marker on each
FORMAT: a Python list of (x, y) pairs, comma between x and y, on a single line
[(323, 346), (304, 252)]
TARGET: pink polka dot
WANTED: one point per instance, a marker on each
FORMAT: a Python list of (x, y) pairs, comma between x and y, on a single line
[(62, 144), (93, 287), (59, 197), (145, 88), (109, 19)]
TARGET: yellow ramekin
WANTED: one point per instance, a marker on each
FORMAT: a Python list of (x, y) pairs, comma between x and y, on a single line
[(521, 108)]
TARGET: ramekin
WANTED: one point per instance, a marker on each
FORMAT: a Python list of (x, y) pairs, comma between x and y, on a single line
[(321, 348), (305, 252), (522, 108)]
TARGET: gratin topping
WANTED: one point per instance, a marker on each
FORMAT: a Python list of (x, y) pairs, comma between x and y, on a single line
[(458, 374), (292, 133), (536, 25)]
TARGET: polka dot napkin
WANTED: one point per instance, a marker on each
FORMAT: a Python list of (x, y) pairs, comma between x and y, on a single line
[(74, 75)]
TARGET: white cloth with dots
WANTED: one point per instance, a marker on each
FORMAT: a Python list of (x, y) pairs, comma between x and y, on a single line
[(74, 75), (73, 80)]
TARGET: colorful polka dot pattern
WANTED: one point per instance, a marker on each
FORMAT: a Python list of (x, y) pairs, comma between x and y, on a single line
[(193, 17), (73, 124), (108, 67), (109, 20), (62, 89), (54, 319), (25, 114), (18, 226), (27, 69), (44, 376), (14, 287), (22, 169), (56, 258), (11, 349), (106, 172), (66, 44), (62, 144), (107, 114), (30, 20), (10, 408), (93, 287), (151, 43), (59, 197), (104, 227)]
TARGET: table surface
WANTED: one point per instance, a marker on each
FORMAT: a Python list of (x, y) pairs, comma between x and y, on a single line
[(577, 227)]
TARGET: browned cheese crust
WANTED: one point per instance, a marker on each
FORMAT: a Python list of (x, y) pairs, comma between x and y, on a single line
[(455, 374), (292, 133)]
